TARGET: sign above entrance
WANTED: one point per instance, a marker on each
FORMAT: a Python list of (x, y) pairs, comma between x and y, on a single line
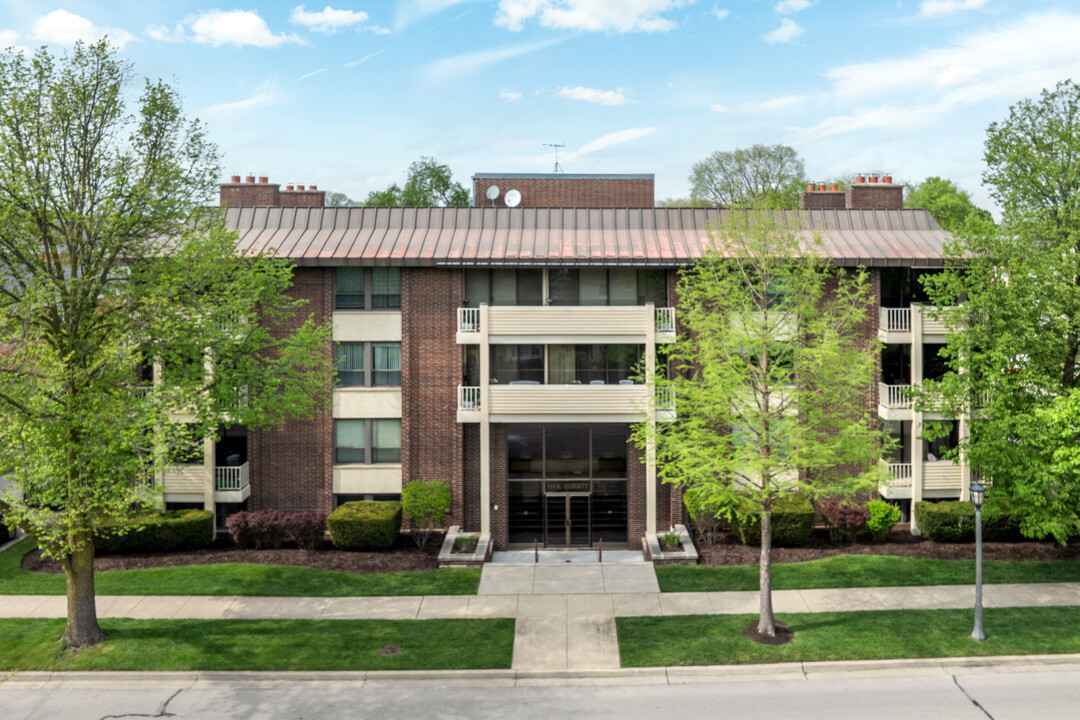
[(567, 486)]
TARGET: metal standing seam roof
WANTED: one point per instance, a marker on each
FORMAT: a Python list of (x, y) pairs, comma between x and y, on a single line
[(432, 236)]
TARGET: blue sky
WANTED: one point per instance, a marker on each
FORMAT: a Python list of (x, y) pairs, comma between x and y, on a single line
[(346, 95)]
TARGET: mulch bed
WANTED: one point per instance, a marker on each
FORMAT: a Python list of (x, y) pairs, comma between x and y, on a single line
[(728, 551), (403, 557)]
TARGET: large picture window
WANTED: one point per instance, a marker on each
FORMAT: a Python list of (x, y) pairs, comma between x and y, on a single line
[(566, 450), (607, 286), (365, 364)]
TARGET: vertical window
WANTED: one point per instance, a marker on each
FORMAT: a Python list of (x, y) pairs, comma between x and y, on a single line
[(349, 293), (517, 363), (477, 287), (652, 287), (472, 365), (386, 367), (504, 287), (349, 441), (386, 441), (622, 284), (530, 287), (592, 287), (563, 286), (350, 363), (525, 450), (386, 287)]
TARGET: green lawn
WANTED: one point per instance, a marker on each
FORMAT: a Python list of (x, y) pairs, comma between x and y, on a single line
[(871, 635), (236, 579), (263, 645), (863, 571)]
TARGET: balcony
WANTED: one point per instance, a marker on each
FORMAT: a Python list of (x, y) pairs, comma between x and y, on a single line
[(942, 478), (895, 325), (187, 483), (898, 482), (231, 484), (564, 403), (566, 325), (894, 402)]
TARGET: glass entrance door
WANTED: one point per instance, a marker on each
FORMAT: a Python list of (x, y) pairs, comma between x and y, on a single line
[(567, 521)]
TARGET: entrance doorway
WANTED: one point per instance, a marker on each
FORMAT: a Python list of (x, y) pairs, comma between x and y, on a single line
[(567, 520)]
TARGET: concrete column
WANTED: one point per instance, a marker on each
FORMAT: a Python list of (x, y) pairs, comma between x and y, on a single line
[(209, 464), (917, 417), (650, 450), (485, 424), (965, 469)]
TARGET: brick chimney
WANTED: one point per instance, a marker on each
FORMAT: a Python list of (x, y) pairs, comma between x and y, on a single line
[(263, 193), (868, 192), (567, 189)]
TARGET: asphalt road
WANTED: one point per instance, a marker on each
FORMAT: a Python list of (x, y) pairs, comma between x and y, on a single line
[(1001, 693)]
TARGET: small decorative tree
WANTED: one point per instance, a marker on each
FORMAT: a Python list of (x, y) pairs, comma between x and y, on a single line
[(425, 503)]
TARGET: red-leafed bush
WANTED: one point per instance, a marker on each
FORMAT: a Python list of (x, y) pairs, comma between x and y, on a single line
[(268, 528), (239, 526), (305, 529), (844, 518)]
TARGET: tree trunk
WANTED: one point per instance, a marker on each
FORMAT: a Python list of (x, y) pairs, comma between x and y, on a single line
[(82, 623), (766, 621)]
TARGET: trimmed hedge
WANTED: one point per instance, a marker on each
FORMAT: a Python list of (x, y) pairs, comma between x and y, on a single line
[(953, 521), (792, 521), (165, 531), (365, 525)]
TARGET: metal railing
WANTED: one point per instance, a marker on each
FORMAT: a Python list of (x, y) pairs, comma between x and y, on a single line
[(232, 478), (665, 320), (468, 319), (894, 396), (468, 398), (896, 319)]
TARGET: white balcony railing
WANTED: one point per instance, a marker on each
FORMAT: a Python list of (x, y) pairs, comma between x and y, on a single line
[(665, 398), (468, 398), (665, 320), (894, 396), (895, 319), (231, 478), (899, 474), (468, 319)]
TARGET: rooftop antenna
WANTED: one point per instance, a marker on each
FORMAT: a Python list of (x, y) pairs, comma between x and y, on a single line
[(558, 167)]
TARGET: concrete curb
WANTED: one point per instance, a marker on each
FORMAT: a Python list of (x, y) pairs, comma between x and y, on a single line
[(528, 678)]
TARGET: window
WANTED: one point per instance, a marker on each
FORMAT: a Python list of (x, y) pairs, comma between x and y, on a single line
[(517, 363), (365, 364), (185, 447), (603, 286), (504, 287), (947, 440), (566, 450), (349, 291), (350, 364), (349, 441), (353, 437), (385, 287), (386, 370)]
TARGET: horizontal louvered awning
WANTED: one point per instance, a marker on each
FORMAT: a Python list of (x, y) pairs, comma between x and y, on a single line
[(563, 236)]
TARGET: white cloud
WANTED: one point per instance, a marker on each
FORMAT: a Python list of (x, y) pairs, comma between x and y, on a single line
[(1001, 64), (721, 14), (64, 28), (466, 63), (595, 96), (509, 95), (224, 27), (774, 105), (266, 95), (788, 31), (361, 61), (790, 7), (9, 39), (936, 8), (615, 138), (310, 74), (717, 108), (589, 15), (328, 20), (409, 11)]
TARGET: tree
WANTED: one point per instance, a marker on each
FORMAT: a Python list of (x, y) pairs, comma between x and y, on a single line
[(950, 206), (1014, 305), (110, 267), (336, 199), (762, 176), (424, 503), (772, 380), (429, 183)]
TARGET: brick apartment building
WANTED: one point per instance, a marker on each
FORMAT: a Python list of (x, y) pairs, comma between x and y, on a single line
[(494, 347)]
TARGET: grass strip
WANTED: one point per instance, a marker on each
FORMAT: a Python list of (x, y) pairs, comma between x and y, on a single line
[(263, 645), (863, 571), (239, 579), (864, 635)]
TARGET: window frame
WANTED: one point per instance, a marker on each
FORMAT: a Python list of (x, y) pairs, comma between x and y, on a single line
[(369, 370), (369, 294), (369, 445)]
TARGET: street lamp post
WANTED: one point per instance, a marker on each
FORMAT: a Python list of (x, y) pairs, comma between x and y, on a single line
[(978, 493)]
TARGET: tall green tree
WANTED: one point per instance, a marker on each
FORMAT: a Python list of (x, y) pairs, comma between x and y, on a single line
[(761, 176), (948, 204), (110, 266), (1014, 305), (429, 183), (772, 379)]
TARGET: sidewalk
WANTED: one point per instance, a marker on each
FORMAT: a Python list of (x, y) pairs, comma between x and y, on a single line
[(565, 631)]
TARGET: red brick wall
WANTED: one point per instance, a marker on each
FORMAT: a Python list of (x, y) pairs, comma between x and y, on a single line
[(471, 477), (635, 496), (250, 195), (292, 465), (500, 519), (556, 191), (302, 198), (431, 438), (874, 196), (822, 200)]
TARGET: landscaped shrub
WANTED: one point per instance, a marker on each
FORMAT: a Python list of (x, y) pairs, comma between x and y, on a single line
[(844, 518), (883, 516), (425, 503), (267, 528), (365, 525), (305, 529), (239, 526), (954, 521), (166, 531), (792, 521)]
